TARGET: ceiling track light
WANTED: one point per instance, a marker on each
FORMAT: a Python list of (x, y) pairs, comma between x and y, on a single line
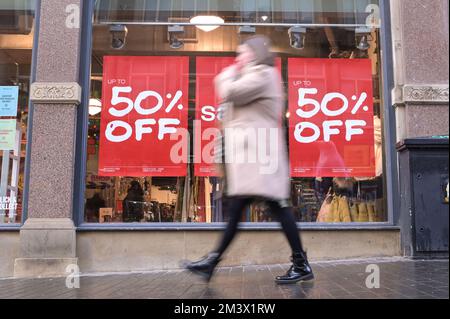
[(119, 34), (174, 33), (95, 106), (247, 29), (362, 37), (297, 37)]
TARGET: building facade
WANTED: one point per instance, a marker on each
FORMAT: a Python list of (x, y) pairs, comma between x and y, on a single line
[(108, 113)]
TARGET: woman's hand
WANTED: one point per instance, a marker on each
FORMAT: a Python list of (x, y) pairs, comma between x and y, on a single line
[(232, 70)]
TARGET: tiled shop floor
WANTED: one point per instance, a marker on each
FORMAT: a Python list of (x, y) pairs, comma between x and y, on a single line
[(398, 278)]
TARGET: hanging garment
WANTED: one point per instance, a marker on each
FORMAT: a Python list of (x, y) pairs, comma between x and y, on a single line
[(186, 197), (378, 146), (363, 216), (329, 218), (201, 205), (354, 212), (178, 216), (379, 210), (344, 210), (371, 212), (378, 149), (193, 197), (325, 209), (335, 209), (216, 199), (208, 191)]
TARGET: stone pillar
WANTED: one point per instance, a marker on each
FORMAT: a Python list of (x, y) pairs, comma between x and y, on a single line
[(421, 67), (420, 95), (48, 239)]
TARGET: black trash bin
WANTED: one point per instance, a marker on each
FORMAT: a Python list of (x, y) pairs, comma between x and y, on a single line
[(424, 208)]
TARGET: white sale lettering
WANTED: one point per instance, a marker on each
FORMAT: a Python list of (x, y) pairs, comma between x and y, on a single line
[(307, 132), (144, 105), (210, 114), (118, 131)]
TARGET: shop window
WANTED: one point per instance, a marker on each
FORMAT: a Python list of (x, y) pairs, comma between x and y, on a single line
[(150, 80), (16, 42)]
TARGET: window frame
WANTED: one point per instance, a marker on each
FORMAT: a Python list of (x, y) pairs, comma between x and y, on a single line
[(390, 177)]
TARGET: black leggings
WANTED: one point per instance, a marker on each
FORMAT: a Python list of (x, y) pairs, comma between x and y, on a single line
[(235, 207)]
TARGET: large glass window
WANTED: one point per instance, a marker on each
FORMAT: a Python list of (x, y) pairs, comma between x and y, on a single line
[(151, 77), (16, 42)]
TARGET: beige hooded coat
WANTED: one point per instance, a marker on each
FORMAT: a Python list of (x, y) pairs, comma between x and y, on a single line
[(255, 145)]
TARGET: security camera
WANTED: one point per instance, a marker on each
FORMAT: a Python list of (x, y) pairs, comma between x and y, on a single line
[(174, 33), (119, 35), (362, 38), (247, 29), (297, 36)]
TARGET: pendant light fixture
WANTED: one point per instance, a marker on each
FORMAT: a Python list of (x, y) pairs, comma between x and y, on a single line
[(207, 23), (95, 103), (95, 106), (205, 18)]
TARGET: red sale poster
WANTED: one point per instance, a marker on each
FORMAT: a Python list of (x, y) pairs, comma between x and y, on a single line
[(144, 113), (206, 113), (331, 131), (207, 104)]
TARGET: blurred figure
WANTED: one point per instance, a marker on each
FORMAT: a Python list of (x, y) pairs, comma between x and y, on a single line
[(93, 206), (252, 124), (133, 208)]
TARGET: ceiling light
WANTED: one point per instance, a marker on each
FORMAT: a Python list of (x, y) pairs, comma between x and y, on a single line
[(95, 107), (207, 23)]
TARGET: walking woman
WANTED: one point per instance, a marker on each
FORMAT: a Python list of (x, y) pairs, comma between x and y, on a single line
[(252, 89)]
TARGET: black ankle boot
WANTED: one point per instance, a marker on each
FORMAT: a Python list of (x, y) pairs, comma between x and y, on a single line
[(205, 266), (299, 271)]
